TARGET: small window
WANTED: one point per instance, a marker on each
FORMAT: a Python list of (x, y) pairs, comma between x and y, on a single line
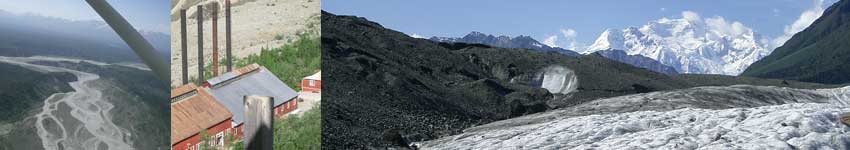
[(312, 82), (220, 138)]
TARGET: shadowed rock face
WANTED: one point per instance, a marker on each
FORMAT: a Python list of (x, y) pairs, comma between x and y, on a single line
[(637, 61), (388, 86)]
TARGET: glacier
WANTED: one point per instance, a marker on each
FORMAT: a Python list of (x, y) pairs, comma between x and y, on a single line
[(714, 117), (689, 44)]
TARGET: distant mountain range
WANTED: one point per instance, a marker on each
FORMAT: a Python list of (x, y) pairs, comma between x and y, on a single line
[(527, 42), (27, 35), (521, 41), (820, 53), (690, 45)]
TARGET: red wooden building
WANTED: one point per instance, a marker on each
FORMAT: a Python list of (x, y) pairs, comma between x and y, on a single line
[(194, 110), (230, 88), (312, 83)]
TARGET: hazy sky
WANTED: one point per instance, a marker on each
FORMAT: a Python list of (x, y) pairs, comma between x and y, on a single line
[(148, 15), (578, 21)]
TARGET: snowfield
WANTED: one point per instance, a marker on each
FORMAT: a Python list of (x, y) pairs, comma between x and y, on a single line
[(773, 118), (689, 44)]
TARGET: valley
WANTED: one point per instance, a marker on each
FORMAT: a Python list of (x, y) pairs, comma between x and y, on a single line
[(395, 91)]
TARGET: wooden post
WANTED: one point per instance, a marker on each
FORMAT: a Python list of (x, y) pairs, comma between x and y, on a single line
[(215, 38), (183, 46), (227, 34), (200, 15), (257, 130)]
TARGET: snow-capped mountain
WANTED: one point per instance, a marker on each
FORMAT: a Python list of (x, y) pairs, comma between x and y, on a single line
[(637, 61), (690, 44), (504, 41)]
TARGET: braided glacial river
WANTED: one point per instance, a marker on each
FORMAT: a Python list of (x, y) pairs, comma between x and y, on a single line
[(78, 119)]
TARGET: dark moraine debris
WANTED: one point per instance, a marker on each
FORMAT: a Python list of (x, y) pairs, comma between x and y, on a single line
[(387, 83)]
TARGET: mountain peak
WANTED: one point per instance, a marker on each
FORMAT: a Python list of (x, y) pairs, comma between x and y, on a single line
[(689, 44), (521, 41)]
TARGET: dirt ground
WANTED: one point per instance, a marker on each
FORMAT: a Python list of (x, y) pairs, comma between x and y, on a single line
[(255, 24), (307, 101)]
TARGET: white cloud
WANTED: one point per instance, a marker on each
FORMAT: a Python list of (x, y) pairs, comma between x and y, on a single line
[(806, 18), (551, 41), (569, 33), (723, 27), (414, 35), (691, 16), (565, 39)]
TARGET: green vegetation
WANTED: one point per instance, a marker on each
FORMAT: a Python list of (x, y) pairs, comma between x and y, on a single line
[(23, 90), (278, 37), (820, 53), (304, 132), (292, 62)]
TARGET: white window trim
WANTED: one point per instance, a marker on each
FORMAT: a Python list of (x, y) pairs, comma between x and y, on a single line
[(220, 138)]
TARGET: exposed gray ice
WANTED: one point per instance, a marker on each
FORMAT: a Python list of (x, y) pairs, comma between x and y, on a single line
[(727, 117), (556, 79)]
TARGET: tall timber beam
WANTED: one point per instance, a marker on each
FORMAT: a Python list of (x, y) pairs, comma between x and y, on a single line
[(183, 47), (227, 34), (200, 14)]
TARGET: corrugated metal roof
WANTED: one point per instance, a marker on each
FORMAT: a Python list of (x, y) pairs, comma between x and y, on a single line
[(232, 75), (195, 113), (229, 90), (317, 76)]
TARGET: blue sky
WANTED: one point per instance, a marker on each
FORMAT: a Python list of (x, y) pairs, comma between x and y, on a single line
[(148, 15), (542, 19)]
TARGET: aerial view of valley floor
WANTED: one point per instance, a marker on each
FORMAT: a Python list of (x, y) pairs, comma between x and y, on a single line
[(586, 75), (70, 83)]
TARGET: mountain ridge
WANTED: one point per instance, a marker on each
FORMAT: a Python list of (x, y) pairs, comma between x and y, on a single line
[(520, 41), (530, 43), (690, 44), (30, 34), (820, 53)]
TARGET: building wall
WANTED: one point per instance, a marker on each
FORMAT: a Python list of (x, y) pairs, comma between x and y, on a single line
[(238, 130), (316, 88), (191, 142), (281, 110)]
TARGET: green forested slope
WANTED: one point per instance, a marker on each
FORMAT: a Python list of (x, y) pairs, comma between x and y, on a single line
[(820, 53)]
